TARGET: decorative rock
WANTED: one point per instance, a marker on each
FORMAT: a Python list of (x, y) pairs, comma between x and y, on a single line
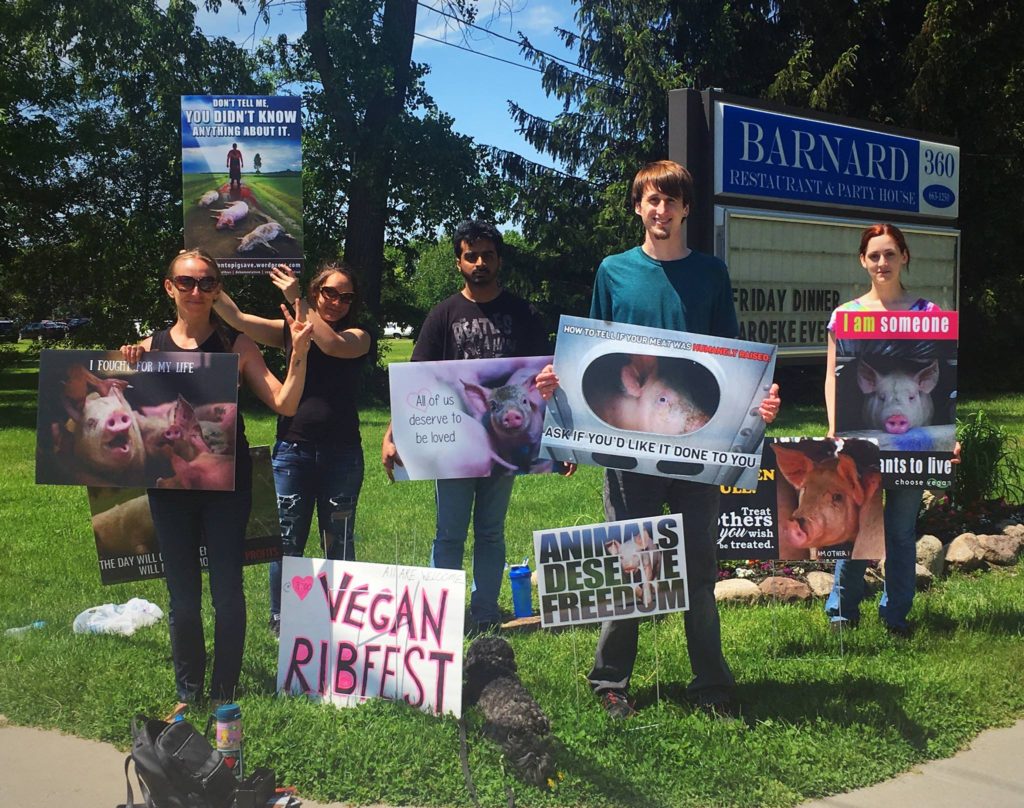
[(923, 576), (931, 555), (965, 553), (1000, 549), (787, 590), (1014, 530), (737, 590), (820, 583)]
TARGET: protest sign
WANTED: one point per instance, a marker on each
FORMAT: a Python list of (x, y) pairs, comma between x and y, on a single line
[(658, 402), (611, 571), (352, 631), (241, 162), (896, 384), (467, 418), (126, 543), (820, 499), (167, 421)]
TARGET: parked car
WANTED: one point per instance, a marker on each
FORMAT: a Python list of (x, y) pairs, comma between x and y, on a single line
[(45, 329), (394, 331), (8, 331), (77, 322)]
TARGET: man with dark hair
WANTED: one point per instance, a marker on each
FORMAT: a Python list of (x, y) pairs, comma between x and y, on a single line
[(665, 284), (481, 321), (234, 164)]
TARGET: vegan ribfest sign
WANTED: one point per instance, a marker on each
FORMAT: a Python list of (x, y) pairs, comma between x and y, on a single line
[(611, 571), (241, 162), (352, 631), (658, 402)]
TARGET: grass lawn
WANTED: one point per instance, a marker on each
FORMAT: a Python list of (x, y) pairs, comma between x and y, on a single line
[(817, 718)]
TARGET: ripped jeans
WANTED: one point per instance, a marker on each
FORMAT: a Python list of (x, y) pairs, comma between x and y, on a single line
[(329, 477)]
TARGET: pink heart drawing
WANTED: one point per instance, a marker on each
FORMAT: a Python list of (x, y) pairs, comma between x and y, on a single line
[(301, 586), (417, 399)]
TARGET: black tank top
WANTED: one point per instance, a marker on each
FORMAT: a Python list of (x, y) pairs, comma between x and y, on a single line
[(215, 343)]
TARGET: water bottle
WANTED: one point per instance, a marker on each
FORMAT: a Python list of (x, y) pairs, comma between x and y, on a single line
[(522, 601), (22, 629), (229, 736)]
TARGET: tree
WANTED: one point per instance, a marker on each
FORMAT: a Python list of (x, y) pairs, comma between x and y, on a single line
[(257, 162)]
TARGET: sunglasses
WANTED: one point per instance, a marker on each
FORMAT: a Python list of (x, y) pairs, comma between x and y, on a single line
[(335, 296), (186, 283)]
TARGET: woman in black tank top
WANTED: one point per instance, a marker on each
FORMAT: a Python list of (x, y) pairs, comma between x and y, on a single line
[(318, 456), (188, 520)]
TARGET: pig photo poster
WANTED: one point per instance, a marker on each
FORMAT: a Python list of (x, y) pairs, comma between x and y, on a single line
[(467, 418), (126, 545), (611, 571), (241, 163), (658, 402), (352, 631), (167, 421), (820, 499), (896, 383)]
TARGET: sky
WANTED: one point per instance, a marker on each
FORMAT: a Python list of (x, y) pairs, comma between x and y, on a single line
[(473, 88)]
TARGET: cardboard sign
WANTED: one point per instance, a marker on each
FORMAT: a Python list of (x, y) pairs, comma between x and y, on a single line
[(241, 162), (467, 418), (611, 571), (167, 421), (896, 384), (820, 499), (352, 631), (658, 402), (126, 544)]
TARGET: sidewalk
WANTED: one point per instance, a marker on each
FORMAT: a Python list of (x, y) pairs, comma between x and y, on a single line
[(58, 771)]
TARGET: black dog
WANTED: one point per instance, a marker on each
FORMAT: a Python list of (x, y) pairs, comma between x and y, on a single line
[(514, 720)]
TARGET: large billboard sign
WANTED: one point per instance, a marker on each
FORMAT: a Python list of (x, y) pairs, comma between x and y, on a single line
[(773, 156)]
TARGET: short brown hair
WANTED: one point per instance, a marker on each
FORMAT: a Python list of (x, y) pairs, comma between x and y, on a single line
[(668, 177)]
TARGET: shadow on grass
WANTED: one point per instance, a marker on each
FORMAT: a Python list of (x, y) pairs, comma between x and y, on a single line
[(18, 393)]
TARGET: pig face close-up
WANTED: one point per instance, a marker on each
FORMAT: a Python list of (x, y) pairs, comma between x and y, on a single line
[(107, 437), (830, 496), (897, 401)]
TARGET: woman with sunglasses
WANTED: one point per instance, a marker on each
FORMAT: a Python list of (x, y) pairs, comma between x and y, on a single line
[(186, 520), (318, 456)]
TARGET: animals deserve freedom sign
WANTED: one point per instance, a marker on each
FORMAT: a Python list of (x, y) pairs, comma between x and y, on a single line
[(241, 163), (467, 418), (896, 383), (352, 631), (611, 570), (167, 421), (659, 402)]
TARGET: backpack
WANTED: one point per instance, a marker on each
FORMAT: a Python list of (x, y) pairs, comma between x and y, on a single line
[(177, 767)]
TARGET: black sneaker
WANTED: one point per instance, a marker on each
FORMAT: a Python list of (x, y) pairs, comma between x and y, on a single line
[(275, 625), (616, 704)]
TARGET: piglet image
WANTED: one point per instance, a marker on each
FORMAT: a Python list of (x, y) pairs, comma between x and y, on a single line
[(832, 495), (645, 402), (208, 199), (638, 555), (231, 215), (513, 416), (898, 401), (101, 437), (125, 529), (207, 471), (172, 426), (217, 422), (262, 236)]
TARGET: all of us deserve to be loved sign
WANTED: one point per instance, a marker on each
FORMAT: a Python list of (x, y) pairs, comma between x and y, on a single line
[(611, 571), (352, 631)]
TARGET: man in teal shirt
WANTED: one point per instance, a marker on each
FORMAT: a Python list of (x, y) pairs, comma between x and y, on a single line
[(665, 284)]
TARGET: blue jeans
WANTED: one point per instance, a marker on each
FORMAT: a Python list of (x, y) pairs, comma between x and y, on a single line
[(329, 477), (901, 509), (487, 498), (633, 496), (184, 520)]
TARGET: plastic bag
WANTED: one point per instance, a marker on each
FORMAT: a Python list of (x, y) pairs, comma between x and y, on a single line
[(118, 618)]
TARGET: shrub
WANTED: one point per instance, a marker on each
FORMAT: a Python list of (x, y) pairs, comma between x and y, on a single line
[(989, 467)]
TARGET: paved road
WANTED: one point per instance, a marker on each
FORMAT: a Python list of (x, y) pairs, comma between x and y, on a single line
[(46, 769)]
